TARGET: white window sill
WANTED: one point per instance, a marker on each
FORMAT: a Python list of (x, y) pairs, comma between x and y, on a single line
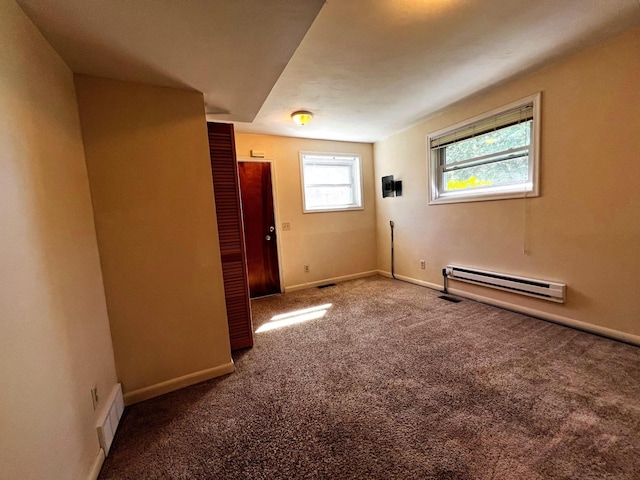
[(460, 197)]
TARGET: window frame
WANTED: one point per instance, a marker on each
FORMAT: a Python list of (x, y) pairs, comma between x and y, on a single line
[(530, 188), (356, 181)]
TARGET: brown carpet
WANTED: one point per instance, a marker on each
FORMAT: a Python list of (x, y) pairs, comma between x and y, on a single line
[(394, 383)]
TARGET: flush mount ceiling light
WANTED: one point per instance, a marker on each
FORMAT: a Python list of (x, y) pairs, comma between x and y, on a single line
[(302, 117)]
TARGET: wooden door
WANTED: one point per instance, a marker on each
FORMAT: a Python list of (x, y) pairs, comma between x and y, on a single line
[(224, 169), (256, 193)]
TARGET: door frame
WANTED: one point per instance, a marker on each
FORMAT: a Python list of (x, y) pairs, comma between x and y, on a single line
[(276, 210)]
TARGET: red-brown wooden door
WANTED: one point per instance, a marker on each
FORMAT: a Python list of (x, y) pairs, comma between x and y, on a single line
[(256, 193)]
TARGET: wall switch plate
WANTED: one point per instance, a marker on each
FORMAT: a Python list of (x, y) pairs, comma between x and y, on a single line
[(286, 226)]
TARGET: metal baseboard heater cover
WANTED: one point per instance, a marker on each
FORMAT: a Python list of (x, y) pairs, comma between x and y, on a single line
[(111, 419), (546, 290)]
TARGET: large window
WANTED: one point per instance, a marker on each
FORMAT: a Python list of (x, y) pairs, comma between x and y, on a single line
[(330, 182), (489, 157)]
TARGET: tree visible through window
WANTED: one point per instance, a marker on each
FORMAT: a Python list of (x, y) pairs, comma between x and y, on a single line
[(490, 157)]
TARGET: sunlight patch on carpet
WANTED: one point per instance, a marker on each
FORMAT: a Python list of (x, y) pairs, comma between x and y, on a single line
[(295, 317)]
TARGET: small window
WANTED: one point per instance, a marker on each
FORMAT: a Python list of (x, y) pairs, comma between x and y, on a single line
[(489, 157), (330, 182)]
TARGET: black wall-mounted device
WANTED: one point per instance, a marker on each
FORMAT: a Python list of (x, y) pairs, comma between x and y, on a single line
[(391, 188)]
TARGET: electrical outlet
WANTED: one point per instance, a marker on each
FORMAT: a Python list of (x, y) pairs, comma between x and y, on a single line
[(306, 269), (423, 264), (94, 396), (286, 226)]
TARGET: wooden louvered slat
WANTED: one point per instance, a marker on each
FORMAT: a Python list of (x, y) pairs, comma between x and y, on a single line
[(224, 169)]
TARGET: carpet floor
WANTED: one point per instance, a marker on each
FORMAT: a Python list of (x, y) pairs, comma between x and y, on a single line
[(380, 379)]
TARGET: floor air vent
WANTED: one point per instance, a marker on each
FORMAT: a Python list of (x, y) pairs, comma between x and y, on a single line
[(449, 299), (544, 289)]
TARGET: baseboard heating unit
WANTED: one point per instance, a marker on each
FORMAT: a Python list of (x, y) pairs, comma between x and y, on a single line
[(111, 418), (552, 291)]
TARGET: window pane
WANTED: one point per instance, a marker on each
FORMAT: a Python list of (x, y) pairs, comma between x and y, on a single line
[(322, 197), (327, 174), (331, 182), (495, 174), (489, 157), (514, 136)]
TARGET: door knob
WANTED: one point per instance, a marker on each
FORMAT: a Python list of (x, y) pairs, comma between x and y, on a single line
[(267, 238)]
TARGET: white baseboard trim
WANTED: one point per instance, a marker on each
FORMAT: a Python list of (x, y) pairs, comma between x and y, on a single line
[(415, 281), (97, 466), (551, 317), (318, 283), (177, 383)]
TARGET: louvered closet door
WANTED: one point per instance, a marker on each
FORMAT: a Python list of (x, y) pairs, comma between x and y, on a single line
[(224, 168)]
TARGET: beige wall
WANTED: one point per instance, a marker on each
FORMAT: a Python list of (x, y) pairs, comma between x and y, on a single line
[(584, 229), (54, 332), (334, 244), (148, 161)]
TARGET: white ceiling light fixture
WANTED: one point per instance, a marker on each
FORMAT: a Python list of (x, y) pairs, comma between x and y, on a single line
[(302, 117)]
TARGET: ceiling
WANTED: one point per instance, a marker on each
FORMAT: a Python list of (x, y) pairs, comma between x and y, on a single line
[(366, 68), (231, 50)]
